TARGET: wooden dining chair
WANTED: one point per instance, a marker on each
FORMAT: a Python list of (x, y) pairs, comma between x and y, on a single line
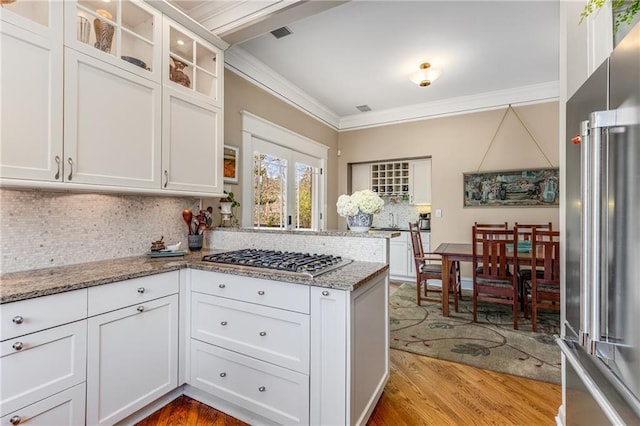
[(524, 234), (525, 230), (543, 288), (493, 251), (491, 225), (429, 267)]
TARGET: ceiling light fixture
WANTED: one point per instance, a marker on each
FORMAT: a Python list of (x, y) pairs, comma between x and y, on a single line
[(425, 76)]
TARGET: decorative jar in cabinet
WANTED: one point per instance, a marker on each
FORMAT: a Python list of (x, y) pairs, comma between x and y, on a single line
[(124, 33)]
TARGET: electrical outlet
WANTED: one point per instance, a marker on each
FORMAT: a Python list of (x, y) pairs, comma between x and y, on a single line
[(438, 212)]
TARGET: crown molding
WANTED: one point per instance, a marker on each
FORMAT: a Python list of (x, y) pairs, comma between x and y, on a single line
[(537, 93), (248, 67)]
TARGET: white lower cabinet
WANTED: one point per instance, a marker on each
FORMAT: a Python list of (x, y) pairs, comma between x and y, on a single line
[(132, 358), (37, 365), (401, 259), (64, 408), (321, 360), (273, 392)]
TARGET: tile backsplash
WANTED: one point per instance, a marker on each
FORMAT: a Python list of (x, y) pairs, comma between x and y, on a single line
[(402, 211), (42, 229)]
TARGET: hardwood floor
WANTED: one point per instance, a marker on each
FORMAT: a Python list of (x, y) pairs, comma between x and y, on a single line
[(421, 391)]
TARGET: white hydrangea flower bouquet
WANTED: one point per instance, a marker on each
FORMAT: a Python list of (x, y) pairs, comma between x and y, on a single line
[(365, 201)]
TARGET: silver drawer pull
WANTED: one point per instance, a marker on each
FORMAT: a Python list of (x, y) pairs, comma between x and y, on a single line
[(262, 389), (223, 323), (15, 420), (221, 285), (140, 308), (18, 319), (261, 293), (17, 346), (223, 374), (325, 293), (263, 333), (141, 290)]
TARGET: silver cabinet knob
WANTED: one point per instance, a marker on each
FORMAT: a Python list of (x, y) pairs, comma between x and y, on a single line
[(262, 389), (221, 285), (223, 323), (223, 374), (18, 320), (17, 346), (263, 333), (141, 290), (325, 293), (15, 420), (140, 308), (261, 293)]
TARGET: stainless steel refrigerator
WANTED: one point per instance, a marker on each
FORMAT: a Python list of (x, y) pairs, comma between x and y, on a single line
[(601, 333)]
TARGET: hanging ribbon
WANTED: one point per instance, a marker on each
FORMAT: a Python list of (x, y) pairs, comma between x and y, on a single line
[(493, 139)]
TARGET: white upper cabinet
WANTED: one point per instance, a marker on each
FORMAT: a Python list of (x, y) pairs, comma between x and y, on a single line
[(420, 181), (112, 125), (31, 79), (83, 83), (360, 177), (125, 33), (587, 44), (192, 65), (192, 144)]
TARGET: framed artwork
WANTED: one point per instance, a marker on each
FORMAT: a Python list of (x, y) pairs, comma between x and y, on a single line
[(230, 170), (514, 188)]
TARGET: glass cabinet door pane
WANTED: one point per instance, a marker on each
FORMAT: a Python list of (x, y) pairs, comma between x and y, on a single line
[(138, 42)]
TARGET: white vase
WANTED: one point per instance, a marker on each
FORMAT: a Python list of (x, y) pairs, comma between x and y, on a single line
[(360, 222)]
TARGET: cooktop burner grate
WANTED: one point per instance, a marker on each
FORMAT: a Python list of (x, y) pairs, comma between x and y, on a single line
[(284, 261)]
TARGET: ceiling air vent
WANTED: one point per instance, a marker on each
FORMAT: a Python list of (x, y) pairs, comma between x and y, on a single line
[(281, 32), (364, 108)]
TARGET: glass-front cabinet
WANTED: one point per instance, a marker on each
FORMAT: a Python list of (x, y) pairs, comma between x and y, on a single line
[(194, 65), (125, 33)]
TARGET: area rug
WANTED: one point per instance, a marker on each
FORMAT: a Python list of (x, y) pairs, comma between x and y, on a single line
[(491, 343)]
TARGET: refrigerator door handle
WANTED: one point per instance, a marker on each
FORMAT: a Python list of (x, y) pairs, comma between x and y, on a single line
[(586, 378), (593, 259), (585, 234), (598, 122)]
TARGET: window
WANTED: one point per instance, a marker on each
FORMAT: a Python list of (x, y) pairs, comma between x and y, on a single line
[(287, 188)]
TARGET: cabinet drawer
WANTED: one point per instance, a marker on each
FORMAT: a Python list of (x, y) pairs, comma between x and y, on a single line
[(276, 393), (273, 335), (117, 295), (28, 316), (64, 408), (49, 362), (293, 297)]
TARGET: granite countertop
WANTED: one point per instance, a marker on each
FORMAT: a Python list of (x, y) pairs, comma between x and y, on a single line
[(23, 285)]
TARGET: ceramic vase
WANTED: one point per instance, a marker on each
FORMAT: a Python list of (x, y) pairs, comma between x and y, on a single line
[(104, 35), (360, 222), (195, 242)]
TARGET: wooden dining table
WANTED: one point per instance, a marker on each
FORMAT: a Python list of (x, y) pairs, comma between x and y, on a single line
[(463, 252)]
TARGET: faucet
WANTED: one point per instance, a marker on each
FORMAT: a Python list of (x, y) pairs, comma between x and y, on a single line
[(392, 224)]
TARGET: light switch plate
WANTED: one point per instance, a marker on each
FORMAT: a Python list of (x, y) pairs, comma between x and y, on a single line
[(438, 212)]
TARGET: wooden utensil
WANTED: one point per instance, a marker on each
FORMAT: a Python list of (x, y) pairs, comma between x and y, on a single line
[(187, 216), (201, 227)]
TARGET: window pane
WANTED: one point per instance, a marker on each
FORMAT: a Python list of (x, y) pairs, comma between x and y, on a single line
[(270, 191), (305, 180)]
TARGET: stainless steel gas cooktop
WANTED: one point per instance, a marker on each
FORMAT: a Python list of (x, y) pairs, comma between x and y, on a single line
[(304, 264)]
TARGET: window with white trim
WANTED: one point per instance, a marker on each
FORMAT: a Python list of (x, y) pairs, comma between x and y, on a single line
[(287, 187)]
